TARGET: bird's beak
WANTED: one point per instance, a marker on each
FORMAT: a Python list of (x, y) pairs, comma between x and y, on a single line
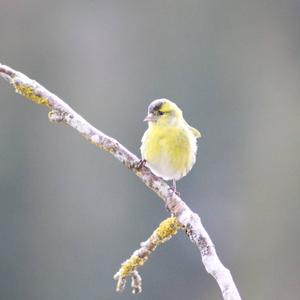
[(150, 118)]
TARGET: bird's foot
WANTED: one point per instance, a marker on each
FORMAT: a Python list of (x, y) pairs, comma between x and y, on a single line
[(139, 165), (172, 191)]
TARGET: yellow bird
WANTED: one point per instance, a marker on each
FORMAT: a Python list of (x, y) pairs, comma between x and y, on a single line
[(169, 145)]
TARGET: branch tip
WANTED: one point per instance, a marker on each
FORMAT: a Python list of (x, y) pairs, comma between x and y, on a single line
[(136, 282), (161, 234)]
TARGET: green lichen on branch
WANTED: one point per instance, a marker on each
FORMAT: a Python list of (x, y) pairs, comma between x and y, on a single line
[(167, 229), (164, 232), (30, 93), (131, 264)]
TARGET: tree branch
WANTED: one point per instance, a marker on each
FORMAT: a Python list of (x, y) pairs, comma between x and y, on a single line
[(161, 234), (62, 113)]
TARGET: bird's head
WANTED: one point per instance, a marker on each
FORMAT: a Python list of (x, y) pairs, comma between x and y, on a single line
[(163, 112)]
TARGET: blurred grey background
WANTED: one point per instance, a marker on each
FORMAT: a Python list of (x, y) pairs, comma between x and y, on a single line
[(70, 214)]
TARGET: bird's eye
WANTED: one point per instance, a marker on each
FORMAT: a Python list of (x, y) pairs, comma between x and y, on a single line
[(160, 113)]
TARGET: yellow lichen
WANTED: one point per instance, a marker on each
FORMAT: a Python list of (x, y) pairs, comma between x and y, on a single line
[(164, 232), (29, 92), (167, 228), (131, 264)]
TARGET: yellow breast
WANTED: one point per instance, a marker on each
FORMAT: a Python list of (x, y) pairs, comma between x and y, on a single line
[(169, 151)]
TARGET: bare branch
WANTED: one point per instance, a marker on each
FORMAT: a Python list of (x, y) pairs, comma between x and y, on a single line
[(63, 113)]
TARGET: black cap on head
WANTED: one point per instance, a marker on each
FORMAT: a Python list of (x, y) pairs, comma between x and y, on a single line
[(156, 105)]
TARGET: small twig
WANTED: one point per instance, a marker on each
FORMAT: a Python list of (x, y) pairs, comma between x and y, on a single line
[(164, 232), (62, 112)]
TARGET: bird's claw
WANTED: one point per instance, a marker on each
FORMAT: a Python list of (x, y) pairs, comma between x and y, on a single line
[(139, 165), (172, 191)]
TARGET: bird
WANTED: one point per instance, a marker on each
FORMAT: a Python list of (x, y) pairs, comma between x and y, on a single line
[(169, 145)]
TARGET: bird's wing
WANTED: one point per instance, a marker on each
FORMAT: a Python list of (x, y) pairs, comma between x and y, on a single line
[(195, 132)]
